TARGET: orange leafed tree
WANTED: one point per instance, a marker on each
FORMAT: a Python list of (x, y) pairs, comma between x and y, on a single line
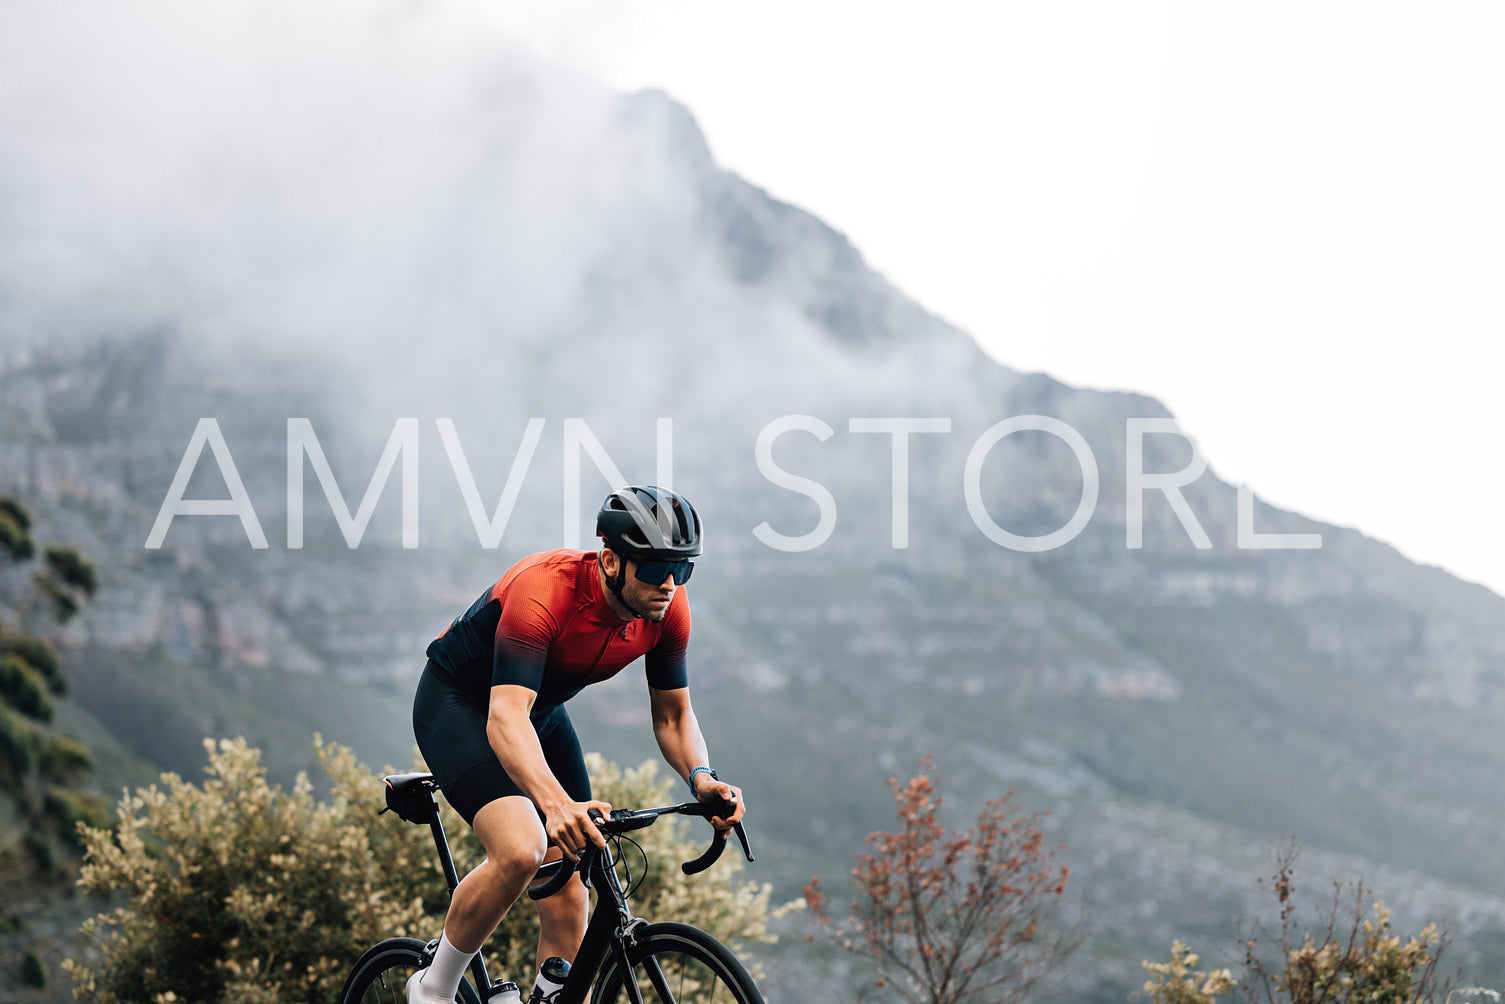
[(952, 919)]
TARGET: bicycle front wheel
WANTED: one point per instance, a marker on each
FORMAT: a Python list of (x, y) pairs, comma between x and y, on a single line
[(381, 975), (677, 964)]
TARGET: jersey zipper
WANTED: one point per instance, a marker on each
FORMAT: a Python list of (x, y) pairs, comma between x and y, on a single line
[(607, 644), (602, 654)]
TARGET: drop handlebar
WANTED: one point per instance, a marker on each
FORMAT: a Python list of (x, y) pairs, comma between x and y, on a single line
[(626, 820)]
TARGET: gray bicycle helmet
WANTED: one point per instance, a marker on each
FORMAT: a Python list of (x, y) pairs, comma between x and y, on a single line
[(646, 523)]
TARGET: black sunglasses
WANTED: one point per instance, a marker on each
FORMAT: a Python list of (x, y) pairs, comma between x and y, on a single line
[(655, 572)]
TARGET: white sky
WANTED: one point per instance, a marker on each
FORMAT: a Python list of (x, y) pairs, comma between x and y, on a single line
[(1285, 220)]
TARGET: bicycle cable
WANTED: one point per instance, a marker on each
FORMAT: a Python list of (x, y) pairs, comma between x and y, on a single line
[(631, 885)]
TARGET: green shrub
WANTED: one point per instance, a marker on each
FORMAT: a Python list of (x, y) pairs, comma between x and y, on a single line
[(33, 970), (18, 749), (43, 855), (66, 808), (63, 759), (234, 886), (240, 892), (35, 762), (40, 655), (71, 568), (15, 529), (22, 688)]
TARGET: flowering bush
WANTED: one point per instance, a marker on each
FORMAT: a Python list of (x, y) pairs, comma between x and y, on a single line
[(954, 918), (1353, 958), (1180, 982)]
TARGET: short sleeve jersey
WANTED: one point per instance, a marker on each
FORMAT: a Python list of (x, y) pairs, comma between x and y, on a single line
[(546, 625)]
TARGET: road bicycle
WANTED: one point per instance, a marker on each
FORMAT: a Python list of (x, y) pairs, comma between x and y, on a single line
[(624, 959)]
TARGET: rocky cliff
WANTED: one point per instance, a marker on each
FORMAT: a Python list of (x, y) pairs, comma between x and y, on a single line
[(1058, 599)]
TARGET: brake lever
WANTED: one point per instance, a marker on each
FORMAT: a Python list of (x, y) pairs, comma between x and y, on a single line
[(718, 844), (588, 857), (568, 867), (727, 808), (742, 839)]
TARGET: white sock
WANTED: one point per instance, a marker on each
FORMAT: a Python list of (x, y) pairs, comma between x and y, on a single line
[(444, 972)]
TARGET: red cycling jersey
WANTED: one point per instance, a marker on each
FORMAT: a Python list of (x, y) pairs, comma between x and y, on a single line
[(546, 625)]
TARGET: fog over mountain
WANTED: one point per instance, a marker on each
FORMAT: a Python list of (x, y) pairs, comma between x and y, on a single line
[(390, 221)]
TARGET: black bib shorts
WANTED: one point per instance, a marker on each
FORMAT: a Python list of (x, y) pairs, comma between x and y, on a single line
[(450, 725)]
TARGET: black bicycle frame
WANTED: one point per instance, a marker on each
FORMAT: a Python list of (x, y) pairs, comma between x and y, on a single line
[(452, 879)]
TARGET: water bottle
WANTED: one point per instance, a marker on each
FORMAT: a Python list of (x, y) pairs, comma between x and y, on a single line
[(505, 992), (550, 978)]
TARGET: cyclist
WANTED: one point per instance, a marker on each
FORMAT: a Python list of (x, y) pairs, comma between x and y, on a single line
[(490, 719)]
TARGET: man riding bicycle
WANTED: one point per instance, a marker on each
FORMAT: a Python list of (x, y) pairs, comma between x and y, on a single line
[(490, 720)]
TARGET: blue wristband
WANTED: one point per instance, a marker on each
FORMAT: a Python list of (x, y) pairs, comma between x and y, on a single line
[(698, 770)]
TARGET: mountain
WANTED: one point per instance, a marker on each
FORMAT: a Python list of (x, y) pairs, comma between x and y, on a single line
[(1179, 709)]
